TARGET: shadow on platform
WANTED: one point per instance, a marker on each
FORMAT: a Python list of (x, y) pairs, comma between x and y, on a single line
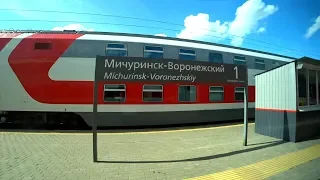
[(268, 144)]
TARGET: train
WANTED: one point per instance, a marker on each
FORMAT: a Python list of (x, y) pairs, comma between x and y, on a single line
[(47, 79)]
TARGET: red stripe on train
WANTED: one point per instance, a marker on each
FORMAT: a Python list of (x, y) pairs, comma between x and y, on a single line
[(32, 67), (5, 38)]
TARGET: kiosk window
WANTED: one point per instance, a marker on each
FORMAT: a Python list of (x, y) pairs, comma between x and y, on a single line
[(312, 87), (302, 87)]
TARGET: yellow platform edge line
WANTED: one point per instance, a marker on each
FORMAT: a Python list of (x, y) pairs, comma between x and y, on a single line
[(267, 168), (124, 133)]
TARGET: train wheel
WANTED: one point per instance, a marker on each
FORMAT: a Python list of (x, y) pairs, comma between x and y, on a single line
[(3, 119)]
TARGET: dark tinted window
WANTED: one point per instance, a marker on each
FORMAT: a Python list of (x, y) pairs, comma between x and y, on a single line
[(302, 87), (215, 57), (188, 51), (153, 48), (114, 93), (259, 64), (187, 93), (240, 60), (216, 94), (116, 49), (187, 54), (116, 45), (312, 87), (275, 63), (152, 93), (42, 46), (153, 52), (239, 94)]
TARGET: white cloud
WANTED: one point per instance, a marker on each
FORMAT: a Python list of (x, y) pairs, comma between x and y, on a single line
[(314, 28), (199, 26), (77, 27), (247, 18), (162, 34), (246, 21), (261, 30)]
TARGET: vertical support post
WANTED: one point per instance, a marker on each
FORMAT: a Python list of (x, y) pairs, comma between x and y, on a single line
[(245, 111), (94, 124), (317, 87), (307, 90)]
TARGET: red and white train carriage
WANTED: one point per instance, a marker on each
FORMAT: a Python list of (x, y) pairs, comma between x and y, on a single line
[(47, 78)]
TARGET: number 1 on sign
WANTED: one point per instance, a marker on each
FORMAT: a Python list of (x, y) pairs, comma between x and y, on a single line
[(236, 69)]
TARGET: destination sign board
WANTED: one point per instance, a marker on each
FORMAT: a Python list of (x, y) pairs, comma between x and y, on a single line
[(132, 69), (137, 69)]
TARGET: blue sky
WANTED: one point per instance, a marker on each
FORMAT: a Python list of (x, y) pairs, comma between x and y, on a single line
[(268, 25)]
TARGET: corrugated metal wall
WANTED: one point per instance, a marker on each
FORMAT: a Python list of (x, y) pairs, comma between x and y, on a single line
[(276, 89), (308, 125), (278, 124), (275, 113)]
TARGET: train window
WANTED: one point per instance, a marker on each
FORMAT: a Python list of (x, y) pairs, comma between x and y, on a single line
[(42, 46), (275, 64), (259, 64), (215, 57), (116, 49), (153, 52), (114, 92), (152, 93), (240, 60), (239, 93), (187, 54), (187, 93), (216, 93)]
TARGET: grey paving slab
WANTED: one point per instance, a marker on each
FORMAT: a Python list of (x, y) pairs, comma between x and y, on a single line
[(174, 155)]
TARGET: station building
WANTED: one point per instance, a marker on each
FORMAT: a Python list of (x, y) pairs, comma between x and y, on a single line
[(288, 101)]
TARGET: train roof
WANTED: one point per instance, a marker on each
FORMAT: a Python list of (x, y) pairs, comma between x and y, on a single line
[(141, 35)]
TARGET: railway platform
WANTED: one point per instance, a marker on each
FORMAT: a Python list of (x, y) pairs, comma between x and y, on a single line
[(196, 153)]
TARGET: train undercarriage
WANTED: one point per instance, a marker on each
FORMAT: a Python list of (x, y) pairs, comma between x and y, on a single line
[(73, 121), (41, 120)]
